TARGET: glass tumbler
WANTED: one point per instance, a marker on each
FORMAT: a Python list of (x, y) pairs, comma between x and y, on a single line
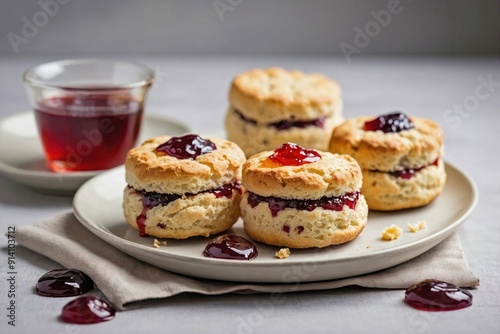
[(88, 111)]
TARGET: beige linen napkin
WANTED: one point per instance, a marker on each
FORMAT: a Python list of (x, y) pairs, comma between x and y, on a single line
[(126, 281)]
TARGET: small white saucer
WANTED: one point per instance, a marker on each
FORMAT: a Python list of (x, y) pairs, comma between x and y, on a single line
[(22, 159)]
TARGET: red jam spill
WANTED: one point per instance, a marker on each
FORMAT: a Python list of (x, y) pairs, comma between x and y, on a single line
[(232, 247), (434, 295), (285, 125), (393, 122), (408, 173), (186, 147), (64, 283), (276, 204), (87, 310), (151, 199), (290, 154)]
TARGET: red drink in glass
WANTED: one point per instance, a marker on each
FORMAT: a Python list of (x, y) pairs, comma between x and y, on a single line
[(88, 111), (91, 131)]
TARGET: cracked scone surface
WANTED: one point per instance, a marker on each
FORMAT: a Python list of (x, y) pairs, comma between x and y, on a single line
[(379, 154), (198, 215), (386, 152), (273, 95), (306, 229), (385, 192), (146, 170), (332, 176), (254, 138), (195, 210)]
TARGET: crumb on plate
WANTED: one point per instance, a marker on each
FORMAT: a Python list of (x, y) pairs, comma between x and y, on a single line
[(391, 233), (157, 243), (419, 225), (283, 253)]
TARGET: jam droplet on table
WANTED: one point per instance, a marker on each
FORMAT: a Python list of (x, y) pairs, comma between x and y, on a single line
[(186, 147), (434, 295), (290, 154), (87, 310), (393, 122), (230, 246), (64, 283)]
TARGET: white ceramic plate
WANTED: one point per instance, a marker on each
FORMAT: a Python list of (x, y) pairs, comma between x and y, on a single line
[(22, 159), (97, 205)]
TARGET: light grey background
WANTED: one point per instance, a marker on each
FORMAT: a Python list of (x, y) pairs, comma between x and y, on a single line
[(292, 27), (183, 40)]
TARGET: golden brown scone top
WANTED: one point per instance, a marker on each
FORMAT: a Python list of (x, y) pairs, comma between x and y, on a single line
[(274, 94), (333, 175), (147, 170), (376, 150)]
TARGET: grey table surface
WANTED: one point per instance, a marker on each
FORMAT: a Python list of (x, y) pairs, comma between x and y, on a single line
[(194, 91)]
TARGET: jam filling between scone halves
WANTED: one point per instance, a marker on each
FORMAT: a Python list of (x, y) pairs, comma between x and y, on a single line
[(151, 199), (285, 124), (277, 204), (409, 172)]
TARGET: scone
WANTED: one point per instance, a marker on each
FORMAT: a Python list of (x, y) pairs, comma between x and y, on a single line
[(179, 187), (401, 158), (301, 198), (273, 106)]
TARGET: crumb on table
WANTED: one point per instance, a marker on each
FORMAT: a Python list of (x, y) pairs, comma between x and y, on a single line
[(391, 233), (283, 253), (419, 225)]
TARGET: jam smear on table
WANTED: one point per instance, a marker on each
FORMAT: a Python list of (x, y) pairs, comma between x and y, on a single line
[(277, 204), (92, 131), (232, 247), (186, 147), (435, 295), (408, 173), (64, 283), (286, 124), (151, 199), (393, 122), (290, 154), (87, 310)]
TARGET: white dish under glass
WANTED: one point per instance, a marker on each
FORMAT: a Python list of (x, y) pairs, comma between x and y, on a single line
[(23, 161)]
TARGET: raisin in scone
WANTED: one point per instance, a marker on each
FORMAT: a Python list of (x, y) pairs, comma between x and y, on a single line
[(269, 107), (179, 187), (401, 158), (300, 198)]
